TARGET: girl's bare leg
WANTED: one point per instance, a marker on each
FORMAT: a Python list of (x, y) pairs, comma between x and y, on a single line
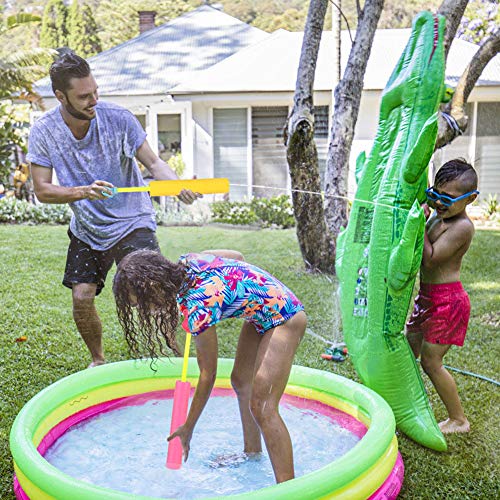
[(272, 368), (241, 380)]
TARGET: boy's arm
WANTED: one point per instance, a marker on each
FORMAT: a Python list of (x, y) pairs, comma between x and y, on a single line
[(455, 239), (228, 254)]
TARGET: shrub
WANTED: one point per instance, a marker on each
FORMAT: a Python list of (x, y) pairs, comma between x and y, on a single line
[(179, 214), (490, 206), (176, 163), (266, 212), (277, 211), (16, 211), (233, 212)]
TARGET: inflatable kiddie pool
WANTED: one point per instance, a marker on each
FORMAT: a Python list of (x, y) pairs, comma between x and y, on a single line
[(371, 469)]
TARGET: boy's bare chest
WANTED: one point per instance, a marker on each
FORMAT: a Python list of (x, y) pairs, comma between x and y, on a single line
[(435, 228)]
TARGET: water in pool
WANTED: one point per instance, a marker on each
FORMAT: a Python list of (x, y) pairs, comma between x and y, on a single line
[(125, 449)]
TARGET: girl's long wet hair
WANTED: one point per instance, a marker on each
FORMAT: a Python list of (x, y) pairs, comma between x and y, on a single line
[(153, 282)]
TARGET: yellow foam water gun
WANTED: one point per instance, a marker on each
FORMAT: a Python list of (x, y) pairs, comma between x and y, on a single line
[(174, 187)]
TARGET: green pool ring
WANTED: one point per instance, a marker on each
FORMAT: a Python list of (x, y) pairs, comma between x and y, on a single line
[(358, 474), (380, 251)]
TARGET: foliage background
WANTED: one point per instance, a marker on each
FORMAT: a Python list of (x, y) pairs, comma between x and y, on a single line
[(117, 20)]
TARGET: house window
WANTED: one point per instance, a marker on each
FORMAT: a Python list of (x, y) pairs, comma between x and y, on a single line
[(270, 166), (142, 120), (488, 147), (169, 135), (321, 131), (230, 149)]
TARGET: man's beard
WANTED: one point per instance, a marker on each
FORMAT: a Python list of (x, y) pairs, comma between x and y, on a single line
[(77, 114)]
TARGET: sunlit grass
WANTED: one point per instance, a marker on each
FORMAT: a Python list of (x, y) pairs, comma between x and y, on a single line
[(36, 305)]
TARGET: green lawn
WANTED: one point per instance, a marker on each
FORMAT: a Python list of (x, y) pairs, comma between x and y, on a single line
[(35, 304)]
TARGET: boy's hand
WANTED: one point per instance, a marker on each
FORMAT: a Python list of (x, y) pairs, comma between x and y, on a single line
[(426, 209)]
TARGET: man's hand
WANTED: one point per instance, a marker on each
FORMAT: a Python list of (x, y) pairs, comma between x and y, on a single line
[(188, 197), (99, 190)]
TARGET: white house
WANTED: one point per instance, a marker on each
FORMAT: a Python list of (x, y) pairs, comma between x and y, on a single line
[(223, 90)]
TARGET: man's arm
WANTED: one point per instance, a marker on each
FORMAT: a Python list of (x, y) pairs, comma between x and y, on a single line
[(160, 170), (455, 239), (47, 192)]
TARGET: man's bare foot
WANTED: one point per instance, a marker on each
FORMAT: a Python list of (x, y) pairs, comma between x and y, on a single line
[(450, 425), (96, 363)]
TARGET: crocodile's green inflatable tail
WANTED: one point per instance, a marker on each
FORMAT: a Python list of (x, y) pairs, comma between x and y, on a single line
[(379, 253)]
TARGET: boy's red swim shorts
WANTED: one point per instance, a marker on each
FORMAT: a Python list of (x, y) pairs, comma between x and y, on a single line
[(441, 313)]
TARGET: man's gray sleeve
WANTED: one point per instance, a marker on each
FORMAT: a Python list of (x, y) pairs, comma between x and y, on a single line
[(37, 147)]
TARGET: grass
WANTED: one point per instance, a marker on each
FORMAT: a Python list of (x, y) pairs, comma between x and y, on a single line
[(36, 305)]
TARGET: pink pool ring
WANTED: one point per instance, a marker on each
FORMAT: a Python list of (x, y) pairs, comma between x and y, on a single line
[(373, 469)]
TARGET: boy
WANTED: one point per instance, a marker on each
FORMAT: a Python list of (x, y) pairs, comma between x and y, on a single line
[(442, 306)]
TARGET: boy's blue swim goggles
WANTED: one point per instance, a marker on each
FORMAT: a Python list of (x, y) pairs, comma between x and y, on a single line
[(447, 201)]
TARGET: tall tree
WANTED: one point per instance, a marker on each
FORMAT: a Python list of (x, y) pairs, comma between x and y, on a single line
[(453, 120), (54, 32), (316, 245), (347, 98), (82, 28), (345, 115), (317, 228)]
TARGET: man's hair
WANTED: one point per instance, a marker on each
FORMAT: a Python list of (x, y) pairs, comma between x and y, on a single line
[(68, 66), (457, 169)]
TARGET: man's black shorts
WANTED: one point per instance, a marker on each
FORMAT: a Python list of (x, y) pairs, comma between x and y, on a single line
[(84, 265)]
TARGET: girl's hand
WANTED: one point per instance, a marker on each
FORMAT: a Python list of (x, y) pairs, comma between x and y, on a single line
[(184, 433)]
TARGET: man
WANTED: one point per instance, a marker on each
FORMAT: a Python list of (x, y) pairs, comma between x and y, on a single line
[(92, 147)]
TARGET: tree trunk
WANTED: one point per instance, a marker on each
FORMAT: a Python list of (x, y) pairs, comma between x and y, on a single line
[(345, 114), (452, 10), (452, 118), (315, 243)]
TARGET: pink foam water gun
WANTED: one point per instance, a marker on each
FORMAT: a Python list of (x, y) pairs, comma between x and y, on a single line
[(179, 411)]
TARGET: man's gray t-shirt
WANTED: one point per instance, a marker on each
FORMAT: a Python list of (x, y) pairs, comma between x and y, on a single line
[(106, 153)]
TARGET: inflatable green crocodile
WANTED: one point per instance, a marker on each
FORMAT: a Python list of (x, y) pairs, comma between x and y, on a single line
[(379, 253)]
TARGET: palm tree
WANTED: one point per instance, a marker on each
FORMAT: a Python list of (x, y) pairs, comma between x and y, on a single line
[(20, 69)]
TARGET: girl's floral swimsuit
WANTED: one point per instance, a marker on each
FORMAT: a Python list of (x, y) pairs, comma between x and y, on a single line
[(225, 288)]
